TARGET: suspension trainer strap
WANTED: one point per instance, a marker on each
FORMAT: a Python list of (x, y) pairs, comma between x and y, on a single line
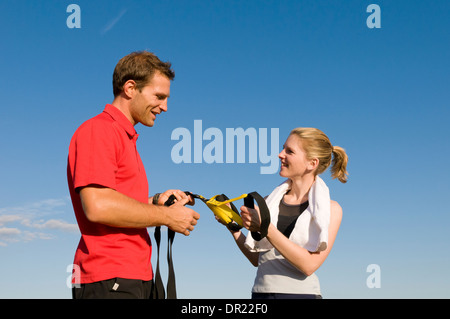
[(264, 212), (171, 285), (158, 287)]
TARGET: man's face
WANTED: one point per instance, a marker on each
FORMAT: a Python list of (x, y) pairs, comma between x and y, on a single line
[(151, 100)]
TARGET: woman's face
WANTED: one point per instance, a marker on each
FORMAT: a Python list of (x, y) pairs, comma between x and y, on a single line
[(293, 159)]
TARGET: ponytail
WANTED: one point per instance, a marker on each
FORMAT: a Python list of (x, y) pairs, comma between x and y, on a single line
[(317, 145), (339, 164)]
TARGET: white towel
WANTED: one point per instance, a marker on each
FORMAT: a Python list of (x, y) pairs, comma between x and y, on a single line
[(313, 233)]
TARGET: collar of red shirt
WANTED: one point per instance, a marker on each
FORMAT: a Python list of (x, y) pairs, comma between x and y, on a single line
[(121, 119)]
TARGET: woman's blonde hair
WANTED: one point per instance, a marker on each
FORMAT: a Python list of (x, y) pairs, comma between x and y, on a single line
[(317, 145)]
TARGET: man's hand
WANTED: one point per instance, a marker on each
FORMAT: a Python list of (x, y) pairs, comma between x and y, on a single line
[(180, 218), (163, 197)]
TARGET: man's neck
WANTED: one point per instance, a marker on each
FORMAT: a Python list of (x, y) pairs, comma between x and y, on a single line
[(123, 105)]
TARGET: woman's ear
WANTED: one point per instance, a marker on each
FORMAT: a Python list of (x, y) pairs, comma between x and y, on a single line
[(313, 164)]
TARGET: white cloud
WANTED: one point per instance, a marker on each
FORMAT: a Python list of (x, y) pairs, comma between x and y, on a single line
[(9, 235), (4, 219), (9, 232), (39, 207), (30, 221), (57, 224)]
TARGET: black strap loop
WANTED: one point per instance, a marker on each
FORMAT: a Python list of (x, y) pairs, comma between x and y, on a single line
[(264, 212), (158, 287), (171, 285)]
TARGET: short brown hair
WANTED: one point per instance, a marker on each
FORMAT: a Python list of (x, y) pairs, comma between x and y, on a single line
[(140, 67)]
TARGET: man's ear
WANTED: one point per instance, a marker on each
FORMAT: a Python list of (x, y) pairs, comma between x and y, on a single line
[(129, 89)]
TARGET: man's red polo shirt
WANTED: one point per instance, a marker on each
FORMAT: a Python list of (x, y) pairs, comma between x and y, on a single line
[(103, 152)]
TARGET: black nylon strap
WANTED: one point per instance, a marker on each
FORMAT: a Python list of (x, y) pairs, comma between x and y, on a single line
[(158, 288), (171, 285), (264, 212)]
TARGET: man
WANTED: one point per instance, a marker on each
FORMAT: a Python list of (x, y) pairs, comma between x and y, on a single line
[(109, 188)]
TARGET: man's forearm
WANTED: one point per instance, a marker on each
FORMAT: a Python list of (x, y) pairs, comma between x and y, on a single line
[(107, 206)]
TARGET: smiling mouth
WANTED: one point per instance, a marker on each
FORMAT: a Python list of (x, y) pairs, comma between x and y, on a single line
[(154, 114)]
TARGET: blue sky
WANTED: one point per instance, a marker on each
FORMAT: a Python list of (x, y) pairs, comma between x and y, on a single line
[(380, 93)]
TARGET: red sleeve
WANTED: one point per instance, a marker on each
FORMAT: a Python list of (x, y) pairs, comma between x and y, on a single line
[(94, 155)]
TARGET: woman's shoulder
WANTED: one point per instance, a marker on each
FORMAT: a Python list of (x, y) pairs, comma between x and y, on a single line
[(336, 209)]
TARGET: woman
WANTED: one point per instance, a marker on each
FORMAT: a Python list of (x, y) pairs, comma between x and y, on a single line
[(304, 221)]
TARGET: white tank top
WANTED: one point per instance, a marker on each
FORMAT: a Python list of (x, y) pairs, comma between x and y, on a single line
[(277, 275)]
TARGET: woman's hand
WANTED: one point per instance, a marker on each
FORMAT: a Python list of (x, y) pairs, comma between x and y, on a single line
[(220, 221), (251, 218)]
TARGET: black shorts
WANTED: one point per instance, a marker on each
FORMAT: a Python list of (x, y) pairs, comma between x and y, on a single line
[(257, 295), (115, 288)]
